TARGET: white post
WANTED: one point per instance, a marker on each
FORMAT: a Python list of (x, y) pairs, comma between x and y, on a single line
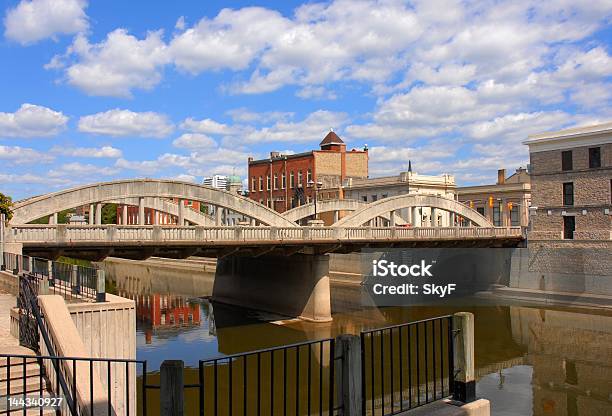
[(124, 216), (98, 213), (141, 212), (181, 216), (463, 351), (91, 214), (392, 219)]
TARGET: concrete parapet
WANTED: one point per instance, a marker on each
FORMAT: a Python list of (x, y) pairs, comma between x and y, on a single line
[(296, 285)]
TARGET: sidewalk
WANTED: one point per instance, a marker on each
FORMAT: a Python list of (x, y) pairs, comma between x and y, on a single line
[(8, 343)]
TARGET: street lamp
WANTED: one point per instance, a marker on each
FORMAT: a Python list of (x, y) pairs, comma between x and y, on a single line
[(319, 185)]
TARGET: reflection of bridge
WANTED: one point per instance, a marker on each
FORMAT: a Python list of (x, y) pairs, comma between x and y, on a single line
[(252, 259)]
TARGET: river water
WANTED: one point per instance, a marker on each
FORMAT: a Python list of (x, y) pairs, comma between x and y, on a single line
[(530, 360)]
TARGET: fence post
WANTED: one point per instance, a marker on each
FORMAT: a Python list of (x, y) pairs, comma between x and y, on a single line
[(75, 279), (43, 287), (2, 219), (349, 381), (463, 354), (172, 402), (100, 286)]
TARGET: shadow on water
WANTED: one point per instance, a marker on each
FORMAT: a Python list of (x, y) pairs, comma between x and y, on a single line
[(529, 360)]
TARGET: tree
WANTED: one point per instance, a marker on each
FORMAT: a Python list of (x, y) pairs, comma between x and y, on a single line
[(5, 206), (109, 214)]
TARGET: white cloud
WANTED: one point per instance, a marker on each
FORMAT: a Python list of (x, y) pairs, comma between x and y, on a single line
[(115, 66), (79, 171), (93, 152), (194, 141), (34, 20), (122, 123), (22, 155), (314, 127), (32, 121), (244, 115), (312, 92), (205, 126)]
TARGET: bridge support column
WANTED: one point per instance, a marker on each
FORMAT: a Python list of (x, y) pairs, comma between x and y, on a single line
[(218, 216), (433, 218), (124, 215), (392, 219), (98, 213), (141, 212), (91, 214), (254, 283)]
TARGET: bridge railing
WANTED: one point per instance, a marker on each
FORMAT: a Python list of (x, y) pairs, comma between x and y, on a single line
[(119, 233)]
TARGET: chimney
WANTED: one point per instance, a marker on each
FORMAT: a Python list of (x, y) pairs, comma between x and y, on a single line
[(501, 176)]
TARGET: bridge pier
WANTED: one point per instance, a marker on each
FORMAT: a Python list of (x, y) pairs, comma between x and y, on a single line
[(296, 285)]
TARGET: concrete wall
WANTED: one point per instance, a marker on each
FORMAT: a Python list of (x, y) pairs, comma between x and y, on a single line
[(564, 267), (296, 286)]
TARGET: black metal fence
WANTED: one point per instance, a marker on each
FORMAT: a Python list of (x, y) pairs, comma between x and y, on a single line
[(406, 366), (68, 280)]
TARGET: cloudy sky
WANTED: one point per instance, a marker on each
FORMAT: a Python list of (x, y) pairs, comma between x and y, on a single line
[(93, 91)]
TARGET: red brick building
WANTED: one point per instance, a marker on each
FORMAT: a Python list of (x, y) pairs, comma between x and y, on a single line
[(283, 182)]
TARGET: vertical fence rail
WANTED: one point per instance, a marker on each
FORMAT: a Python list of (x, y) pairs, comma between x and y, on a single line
[(406, 366)]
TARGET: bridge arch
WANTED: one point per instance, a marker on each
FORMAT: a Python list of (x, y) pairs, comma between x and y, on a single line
[(330, 205), (31, 209), (167, 206), (383, 207)]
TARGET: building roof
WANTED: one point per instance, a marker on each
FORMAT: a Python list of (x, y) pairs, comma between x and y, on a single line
[(331, 138), (577, 136)]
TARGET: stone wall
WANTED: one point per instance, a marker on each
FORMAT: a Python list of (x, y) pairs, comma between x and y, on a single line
[(580, 267)]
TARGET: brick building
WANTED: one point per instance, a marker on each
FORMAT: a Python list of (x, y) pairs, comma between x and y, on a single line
[(571, 177), (283, 182), (504, 203)]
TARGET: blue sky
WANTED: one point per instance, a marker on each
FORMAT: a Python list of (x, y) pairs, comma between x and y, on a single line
[(94, 91)]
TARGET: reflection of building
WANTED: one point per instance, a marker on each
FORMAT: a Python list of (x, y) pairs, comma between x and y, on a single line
[(504, 203), (165, 312), (572, 183), (285, 181)]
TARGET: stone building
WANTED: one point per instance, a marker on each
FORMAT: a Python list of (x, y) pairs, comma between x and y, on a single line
[(505, 203), (283, 182), (569, 243), (571, 174), (373, 189)]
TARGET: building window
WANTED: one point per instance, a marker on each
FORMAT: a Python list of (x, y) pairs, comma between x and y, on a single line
[(514, 217), (569, 226), (283, 181), (568, 193), (291, 180), (299, 183), (481, 211), (384, 196), (566, 160), (275, 181), (268, 184), (308, 177), (253, 181), (595, 157), (374, 198), (496, 216), (260, 183), (364, 198)]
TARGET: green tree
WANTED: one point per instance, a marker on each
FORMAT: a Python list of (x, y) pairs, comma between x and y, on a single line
[(109, 214), (5, 206)]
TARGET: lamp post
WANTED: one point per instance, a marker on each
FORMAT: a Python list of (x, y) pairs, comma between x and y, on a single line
[(318, 187)]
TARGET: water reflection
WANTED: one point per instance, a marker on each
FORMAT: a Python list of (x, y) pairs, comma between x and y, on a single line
[(530, 360)]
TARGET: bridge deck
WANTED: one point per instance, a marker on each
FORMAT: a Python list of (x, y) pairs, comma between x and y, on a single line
[(99, 241)]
